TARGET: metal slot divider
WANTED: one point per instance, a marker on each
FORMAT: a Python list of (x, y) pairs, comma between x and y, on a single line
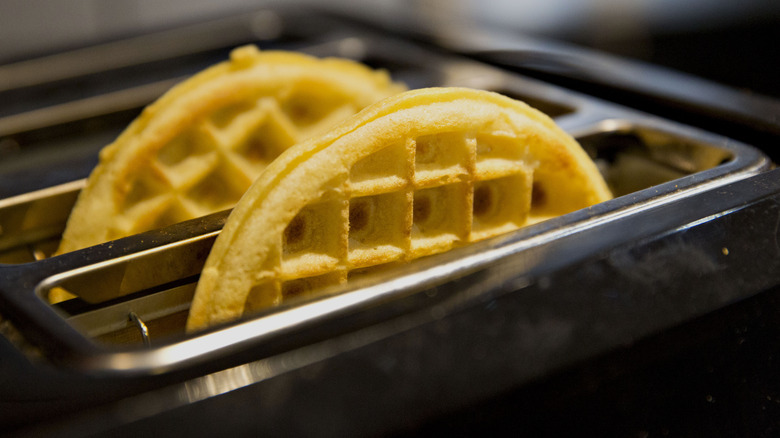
[(578, 114)]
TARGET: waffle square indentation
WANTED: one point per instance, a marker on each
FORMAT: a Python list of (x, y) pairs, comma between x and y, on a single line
[(314, 240), (384, 170), (269, 138), (554, 194), (149, 183), (440, 218), (442, 158), (500, 205), (379, 228), (186, 146), (220, 189), (310, 102), (498, 155)]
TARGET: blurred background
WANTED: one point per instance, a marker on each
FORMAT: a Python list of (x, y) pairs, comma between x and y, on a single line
[(724, 40)]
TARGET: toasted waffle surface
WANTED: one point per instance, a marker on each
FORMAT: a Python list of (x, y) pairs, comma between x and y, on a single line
[(199, 147), (413, 175)]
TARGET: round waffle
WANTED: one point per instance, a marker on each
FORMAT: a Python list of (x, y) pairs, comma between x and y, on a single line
[(199, 147), (413, 175)]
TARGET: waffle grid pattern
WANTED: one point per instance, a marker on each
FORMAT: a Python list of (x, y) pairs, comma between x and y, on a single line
[(418, 197), (209, 166)]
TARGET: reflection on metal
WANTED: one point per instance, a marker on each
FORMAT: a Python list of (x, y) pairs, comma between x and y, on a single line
[(130, 98), (36, 253), (141, 328), (151, 277), (143, 49)]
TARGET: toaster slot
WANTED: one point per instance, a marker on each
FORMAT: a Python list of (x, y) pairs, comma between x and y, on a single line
[(634, 158), (157, 285), (134, 293)]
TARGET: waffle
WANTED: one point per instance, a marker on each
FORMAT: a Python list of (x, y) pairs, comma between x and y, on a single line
[(413, 175), (199, 147)]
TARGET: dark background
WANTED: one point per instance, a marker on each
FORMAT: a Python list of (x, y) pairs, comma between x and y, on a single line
[(734, 43)]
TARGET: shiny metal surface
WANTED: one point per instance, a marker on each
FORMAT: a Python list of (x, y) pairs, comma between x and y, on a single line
[(648, 161), (517, 320)]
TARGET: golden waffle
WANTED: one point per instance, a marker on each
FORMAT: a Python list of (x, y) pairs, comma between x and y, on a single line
[(416, 174), (199, 147)]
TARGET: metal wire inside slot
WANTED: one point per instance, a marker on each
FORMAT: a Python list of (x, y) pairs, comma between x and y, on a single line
[(36, 253), (141, 325)]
